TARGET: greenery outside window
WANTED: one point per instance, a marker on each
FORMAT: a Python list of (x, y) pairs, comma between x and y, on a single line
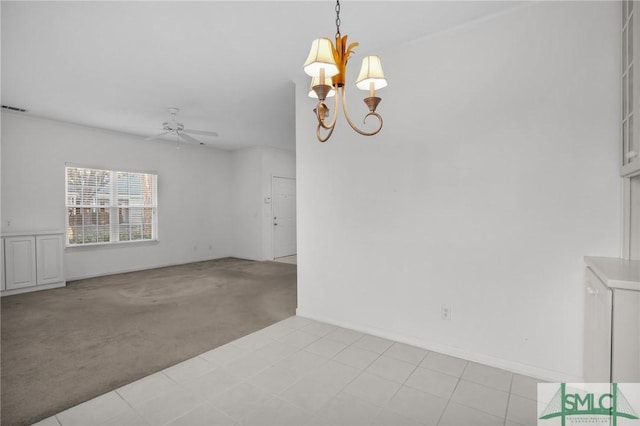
[(110, 206)]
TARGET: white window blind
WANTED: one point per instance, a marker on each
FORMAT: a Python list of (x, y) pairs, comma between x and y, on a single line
[(109, 206)]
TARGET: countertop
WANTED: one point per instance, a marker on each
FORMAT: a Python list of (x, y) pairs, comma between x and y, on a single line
[(616, 273), (28, 233)]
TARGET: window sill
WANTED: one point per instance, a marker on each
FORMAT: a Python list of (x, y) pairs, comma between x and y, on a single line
[(114, 245)]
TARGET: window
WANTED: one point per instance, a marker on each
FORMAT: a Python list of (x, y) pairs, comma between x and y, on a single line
[(108, 206)]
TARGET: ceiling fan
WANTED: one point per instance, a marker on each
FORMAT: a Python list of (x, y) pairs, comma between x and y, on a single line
[(173, 127)]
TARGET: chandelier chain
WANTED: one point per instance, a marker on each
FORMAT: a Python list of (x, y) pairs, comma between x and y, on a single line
[(338, 21)]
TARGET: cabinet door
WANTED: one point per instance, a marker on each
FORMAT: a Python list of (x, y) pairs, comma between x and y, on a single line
[(20, 262), (3, 287), (597, 330), (49, 259), (625, 361)]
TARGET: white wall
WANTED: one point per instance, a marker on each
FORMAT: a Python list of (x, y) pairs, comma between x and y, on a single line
[(495, 174), (194, 192), (253, 170), (247, 208)]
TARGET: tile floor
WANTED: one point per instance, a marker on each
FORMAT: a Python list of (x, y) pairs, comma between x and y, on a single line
[(304, 372)]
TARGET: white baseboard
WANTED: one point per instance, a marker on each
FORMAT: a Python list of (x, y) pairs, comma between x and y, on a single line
[(32, 288), (145, 268), (514, 367)]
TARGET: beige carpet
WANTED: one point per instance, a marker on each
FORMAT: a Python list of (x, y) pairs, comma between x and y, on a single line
[(64, 346)]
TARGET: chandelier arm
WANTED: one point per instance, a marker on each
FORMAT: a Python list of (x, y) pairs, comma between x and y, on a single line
[(353, 126), (336, 110), (319, 134)]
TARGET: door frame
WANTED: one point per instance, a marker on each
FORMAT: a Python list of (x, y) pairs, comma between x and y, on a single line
[(273, 239)]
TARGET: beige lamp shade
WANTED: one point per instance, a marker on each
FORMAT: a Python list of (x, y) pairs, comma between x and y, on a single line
[(371, 72), (321, 57), (315, 81)]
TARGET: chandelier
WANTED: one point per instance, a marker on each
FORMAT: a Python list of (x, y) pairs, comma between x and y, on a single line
[(327, 66)]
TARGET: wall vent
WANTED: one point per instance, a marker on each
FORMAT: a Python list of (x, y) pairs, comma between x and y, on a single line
[(12, 108)]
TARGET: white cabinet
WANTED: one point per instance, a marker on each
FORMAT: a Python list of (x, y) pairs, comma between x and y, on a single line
[(32, 262), (612, 320)]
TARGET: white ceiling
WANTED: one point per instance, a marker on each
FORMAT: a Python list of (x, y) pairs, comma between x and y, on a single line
[(228, 66)]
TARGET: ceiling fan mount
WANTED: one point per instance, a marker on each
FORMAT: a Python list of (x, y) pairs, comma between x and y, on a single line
[(172, 126), (175, 128)]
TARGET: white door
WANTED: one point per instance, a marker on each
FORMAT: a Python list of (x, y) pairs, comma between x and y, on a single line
[(284, 217)]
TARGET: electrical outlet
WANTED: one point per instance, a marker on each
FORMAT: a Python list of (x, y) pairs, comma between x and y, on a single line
[(445, 313)]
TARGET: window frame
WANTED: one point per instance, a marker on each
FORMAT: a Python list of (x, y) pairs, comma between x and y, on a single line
[(113, 208)]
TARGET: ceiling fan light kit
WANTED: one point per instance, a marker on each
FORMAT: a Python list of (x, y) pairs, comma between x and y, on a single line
[(327, 66), (175, 128)]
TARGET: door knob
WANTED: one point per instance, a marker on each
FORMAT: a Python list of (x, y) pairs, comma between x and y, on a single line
[(275, 224)]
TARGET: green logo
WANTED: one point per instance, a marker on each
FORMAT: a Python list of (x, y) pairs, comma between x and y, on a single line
[(611, 404)]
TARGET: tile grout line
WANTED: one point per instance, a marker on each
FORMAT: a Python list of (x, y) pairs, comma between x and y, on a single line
[(453, 392), (418, 366), (131, 406), (383, 406), (271, 365), (314, 412), (211, 403), (506, 410), (183, 390), (208, 401), (288, 387), (246, 380), (342, 389)]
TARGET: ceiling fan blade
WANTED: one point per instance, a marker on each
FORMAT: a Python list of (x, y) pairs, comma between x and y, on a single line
[(201, 132), (188, 138), (158, 136)]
